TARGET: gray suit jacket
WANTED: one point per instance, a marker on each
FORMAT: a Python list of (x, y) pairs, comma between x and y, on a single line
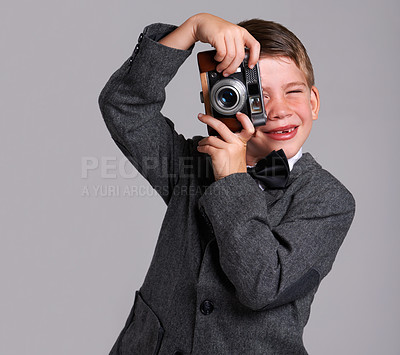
[(235, 268)]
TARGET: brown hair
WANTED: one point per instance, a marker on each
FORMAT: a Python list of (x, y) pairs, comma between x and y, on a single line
[(276, 40)]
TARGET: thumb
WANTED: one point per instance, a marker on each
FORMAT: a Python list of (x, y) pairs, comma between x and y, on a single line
[(248, 128)]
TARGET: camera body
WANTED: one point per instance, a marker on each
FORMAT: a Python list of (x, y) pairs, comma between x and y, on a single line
[(223, 96)]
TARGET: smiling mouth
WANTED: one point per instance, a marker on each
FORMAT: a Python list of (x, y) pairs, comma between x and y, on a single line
[(283, 131)]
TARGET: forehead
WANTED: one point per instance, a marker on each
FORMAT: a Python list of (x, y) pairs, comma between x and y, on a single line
[(280, 71)]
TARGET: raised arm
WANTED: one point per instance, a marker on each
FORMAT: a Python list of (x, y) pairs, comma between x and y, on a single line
[(132, 99), (131, 104)]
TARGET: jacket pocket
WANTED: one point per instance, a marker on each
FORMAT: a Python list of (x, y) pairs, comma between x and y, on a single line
[(143, 331)]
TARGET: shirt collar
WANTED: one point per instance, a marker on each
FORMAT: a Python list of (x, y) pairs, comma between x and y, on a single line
[(295, 158)]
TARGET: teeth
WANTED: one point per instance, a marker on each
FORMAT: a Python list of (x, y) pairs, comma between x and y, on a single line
[(288, 131)]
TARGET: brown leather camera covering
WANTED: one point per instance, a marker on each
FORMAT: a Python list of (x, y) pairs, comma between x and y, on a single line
[(207, 63)]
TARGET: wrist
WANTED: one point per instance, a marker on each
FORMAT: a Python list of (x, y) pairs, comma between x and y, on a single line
[(183, 37), (191, 25)]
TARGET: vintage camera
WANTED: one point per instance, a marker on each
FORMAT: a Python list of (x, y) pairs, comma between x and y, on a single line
[(223, 96)]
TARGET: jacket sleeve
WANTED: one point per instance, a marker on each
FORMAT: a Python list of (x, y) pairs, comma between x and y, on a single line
[(271, 266), (131, 103)]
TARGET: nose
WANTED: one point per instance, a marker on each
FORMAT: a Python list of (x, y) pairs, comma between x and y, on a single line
[(277, 108)]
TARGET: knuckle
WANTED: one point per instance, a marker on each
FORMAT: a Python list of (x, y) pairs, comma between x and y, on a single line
[(230, 54), (246, 34), (212, 140), (220, 47), (240, 30), (219, 56), (222, 52)]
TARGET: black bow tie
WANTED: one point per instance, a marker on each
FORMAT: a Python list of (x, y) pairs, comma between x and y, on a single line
[(273, 170)]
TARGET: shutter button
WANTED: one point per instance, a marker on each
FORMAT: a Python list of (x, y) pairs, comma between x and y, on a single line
[(206, 307)]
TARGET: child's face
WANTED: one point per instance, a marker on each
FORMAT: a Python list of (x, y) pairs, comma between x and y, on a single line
[(291, 107)]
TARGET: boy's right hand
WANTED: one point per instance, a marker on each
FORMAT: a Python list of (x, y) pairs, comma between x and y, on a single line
[(228, 39)]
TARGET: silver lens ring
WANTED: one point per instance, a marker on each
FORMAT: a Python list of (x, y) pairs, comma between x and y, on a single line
[(234, 86)]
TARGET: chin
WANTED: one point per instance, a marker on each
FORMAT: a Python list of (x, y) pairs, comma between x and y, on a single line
[(290, 152), (290, 149), (262, 146)]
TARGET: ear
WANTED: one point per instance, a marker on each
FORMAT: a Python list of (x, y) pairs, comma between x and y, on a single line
[(314, 102)]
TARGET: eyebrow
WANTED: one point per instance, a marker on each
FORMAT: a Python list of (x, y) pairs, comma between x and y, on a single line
[(288, 85)]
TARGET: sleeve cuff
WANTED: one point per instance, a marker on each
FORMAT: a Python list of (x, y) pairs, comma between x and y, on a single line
[(149, 52)]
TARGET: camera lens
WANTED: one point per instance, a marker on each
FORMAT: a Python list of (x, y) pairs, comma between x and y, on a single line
[(227, 97)]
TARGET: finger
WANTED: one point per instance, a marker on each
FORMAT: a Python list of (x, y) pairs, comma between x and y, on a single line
[(254, 48), (248, 128), (213, 141), (208, 149), (229, 56), (220, 47), (240, 53), (226, 134)]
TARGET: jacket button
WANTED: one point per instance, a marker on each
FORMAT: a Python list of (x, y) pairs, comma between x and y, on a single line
[(206, 307), (136, 50), (140, 38)]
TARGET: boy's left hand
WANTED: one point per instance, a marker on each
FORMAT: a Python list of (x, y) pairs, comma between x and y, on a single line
[(228, 150)]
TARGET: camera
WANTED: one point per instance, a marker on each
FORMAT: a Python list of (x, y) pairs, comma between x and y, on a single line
[(223, 96)]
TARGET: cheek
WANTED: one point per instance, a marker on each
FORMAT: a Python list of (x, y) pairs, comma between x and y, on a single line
[(304, 112)]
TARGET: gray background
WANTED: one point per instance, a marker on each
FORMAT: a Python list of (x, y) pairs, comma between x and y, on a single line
[(70, 263)]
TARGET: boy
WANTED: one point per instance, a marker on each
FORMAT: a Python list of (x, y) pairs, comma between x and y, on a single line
[(237, 261)]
